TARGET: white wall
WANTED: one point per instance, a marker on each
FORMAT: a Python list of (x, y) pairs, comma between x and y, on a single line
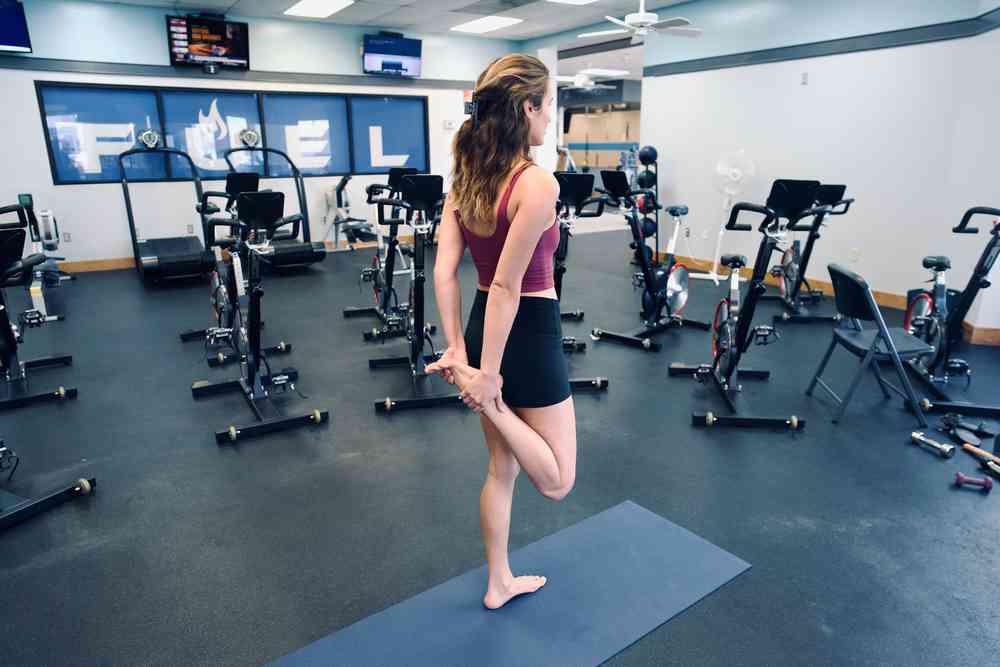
[(95, 214), (106, 32), (909, 130)]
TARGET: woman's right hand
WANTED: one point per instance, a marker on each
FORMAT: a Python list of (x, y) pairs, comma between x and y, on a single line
[(456, 354)]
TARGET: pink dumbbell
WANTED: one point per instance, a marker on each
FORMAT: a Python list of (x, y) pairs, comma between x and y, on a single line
[(985, 484)]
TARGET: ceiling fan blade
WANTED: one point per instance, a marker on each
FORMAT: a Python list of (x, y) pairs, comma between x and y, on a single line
[(676, 22), (683, 32), (618, 22), (599, 33), (566, 79), (601, 86)]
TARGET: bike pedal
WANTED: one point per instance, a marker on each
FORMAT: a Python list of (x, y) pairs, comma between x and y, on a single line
[(32, 318), (765, 334)]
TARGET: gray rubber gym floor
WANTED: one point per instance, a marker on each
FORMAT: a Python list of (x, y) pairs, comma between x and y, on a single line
[(191, 553)]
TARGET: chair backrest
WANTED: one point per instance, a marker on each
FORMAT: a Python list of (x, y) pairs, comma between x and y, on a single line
[(853, 296), (261, 210)]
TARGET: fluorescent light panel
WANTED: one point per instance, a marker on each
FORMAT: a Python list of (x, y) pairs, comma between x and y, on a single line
[(597, 71), (317, 9), (487, 24)]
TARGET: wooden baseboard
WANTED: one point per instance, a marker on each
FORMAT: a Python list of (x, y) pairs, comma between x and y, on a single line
[(88, 266), (981, 335)]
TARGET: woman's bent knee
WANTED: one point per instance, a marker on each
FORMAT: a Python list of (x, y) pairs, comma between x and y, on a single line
[(560, 491)]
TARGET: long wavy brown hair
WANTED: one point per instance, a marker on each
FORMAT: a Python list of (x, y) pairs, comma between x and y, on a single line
[(486, 149)]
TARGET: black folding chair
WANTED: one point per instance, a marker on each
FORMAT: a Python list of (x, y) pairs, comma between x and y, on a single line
[(856, 303)]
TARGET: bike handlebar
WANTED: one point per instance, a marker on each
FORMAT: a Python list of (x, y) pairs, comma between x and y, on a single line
[(768, 214), (847, 206), (22, 221), (816, 212), (963, 227), (374, 190)]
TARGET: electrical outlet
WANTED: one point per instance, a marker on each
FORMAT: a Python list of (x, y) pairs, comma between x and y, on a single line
[(190, 229), (854, 254), (704, 235), (450, 124), (805, 78), (67, 237)]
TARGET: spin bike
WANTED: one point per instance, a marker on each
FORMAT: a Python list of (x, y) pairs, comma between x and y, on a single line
[(574, 197), (355, 230), (795, 292), (732, 327), (931, 318), (259, 216), (664, 287), (417, 198), (16, 271), (44, 232), (221, 340), (392, 314)]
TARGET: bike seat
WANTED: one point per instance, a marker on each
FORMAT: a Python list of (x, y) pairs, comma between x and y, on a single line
[(677, 211), (937, 263), (207, 209), (733, 261)]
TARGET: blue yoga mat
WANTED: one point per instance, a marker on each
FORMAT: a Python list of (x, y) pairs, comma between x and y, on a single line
[(612, 578)]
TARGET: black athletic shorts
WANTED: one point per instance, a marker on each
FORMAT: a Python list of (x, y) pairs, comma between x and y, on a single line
[(534, 365)]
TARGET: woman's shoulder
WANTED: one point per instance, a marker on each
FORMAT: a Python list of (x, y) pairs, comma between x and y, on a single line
[(536, 182)]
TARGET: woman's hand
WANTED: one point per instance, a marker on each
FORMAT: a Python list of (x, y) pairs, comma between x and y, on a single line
[(446, 370), (480, 389)]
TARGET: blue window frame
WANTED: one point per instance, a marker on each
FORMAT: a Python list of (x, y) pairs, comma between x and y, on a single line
[(88, 125), (207, 123), (385, 133), (311, 129), (86, 129)]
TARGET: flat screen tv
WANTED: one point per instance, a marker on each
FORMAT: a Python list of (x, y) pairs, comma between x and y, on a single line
[(13, 27), (391, 55), (194, 40)]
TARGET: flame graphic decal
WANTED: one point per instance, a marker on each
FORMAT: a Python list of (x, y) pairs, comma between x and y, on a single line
[(213, 122)]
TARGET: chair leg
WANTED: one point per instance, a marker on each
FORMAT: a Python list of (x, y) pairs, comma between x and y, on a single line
[(908, 388), (854, 384), (822, 367), (882, 382)]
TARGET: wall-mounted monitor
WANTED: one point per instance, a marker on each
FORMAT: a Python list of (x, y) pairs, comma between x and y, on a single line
[(194, 40), (392, 55), (13, 27)]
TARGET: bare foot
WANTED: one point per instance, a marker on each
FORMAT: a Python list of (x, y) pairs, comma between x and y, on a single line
[(500, 594), (463, 373)]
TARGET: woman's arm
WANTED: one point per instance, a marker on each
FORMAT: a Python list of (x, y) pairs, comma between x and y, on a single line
[(537, 191), (451, 247)]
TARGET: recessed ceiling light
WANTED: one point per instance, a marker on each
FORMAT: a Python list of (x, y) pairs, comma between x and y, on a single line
[(574, 2), (597, 71), (487, 24), (317, 9)]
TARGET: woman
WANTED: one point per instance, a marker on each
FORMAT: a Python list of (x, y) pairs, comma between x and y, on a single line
[(509, 364)]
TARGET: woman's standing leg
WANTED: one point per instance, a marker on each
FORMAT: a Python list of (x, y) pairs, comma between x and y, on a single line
[(494, 520)]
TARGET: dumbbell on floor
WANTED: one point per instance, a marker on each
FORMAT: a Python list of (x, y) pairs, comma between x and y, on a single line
[(985, 484)]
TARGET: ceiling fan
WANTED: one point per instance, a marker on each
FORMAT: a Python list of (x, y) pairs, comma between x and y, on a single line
[(642, 23), (582, 82)]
